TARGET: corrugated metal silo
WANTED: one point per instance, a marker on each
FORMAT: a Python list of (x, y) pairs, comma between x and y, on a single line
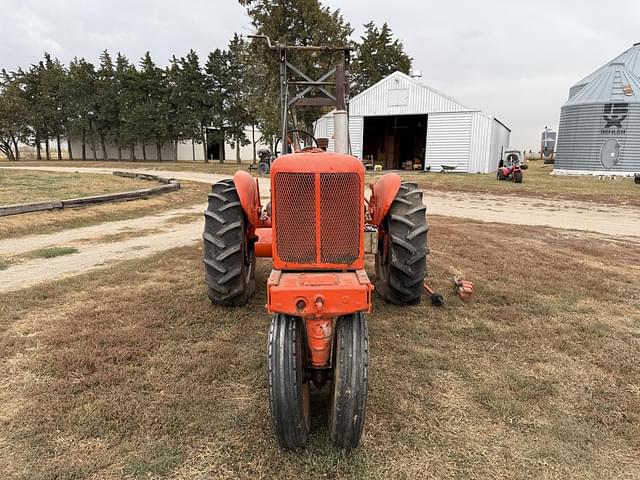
[(600, 123)]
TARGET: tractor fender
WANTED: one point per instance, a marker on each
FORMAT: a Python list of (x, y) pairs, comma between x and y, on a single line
[(383, 193), (247, 189)]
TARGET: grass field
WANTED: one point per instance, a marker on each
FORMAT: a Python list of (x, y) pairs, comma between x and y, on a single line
[(537, 181), (190, 193), (19, 186), (536, 377)]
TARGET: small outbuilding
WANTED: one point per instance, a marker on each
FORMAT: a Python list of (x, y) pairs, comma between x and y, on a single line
[(402, 123), (599, 130)]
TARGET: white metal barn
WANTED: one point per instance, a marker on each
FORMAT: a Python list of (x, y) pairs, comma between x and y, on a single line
[(400, 119)]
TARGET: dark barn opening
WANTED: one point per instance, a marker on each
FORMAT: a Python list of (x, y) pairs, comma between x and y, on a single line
[(392, 141)]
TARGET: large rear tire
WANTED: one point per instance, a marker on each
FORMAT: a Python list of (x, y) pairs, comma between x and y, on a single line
[(348, 398), (288, 388), (401, 260), (229, 258)]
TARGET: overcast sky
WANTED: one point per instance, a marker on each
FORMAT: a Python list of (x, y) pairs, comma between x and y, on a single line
[(514, 60)]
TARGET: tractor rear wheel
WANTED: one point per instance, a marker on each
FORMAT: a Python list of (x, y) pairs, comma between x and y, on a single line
[(348, 397), (229, 258), (288, 387), (401, 260), (517, 177)]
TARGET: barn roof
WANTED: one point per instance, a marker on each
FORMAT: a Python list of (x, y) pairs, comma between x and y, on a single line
[(400, 94)]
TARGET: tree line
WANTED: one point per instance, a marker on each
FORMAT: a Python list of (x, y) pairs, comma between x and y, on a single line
[(121, 104)]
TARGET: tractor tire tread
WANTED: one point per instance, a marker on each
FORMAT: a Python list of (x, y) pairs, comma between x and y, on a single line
[(285, 378), (400, 281), (225, 244), (350, 381)]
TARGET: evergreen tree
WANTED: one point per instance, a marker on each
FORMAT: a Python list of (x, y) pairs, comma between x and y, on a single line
[(192, 105), (81, 93), (151, 113), (216, 88), (377, 56), (14, 115), (296, 22), (52, 100), (237, 109), (126, 78), (107, 114)]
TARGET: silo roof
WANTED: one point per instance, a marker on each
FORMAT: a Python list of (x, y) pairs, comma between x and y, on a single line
[(630, 57), (614, 82)]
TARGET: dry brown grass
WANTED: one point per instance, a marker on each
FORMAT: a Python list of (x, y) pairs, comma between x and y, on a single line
[(191, 193), (537, 181), (130, 372), (20, 186)]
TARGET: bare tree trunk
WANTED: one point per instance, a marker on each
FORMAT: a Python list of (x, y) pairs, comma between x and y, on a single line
[(237, 150), (69, 148), (94, 149), (15, 146), (103, 144), (175, 150), (7, 149), (46, 146), (159, 152), (59, 147), (84, 143), (119, 153), (253, 141), (205, 146), (38, 147), (132, 152), (221, 147), (144, 152)]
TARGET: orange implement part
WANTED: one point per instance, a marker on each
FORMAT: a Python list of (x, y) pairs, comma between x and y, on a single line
[(464, 288), (319, 337), (319, 297), (247, 189), (318, 294), (383, 193), (263, 245)]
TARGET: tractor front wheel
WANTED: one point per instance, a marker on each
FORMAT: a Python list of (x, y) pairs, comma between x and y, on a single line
[(401, 260), (517, 177), (348, 397), (288, 387), (229, 258)]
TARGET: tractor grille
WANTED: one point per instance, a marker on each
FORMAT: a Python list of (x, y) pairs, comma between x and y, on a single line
[(340, 210), (295, 233), (337, 226)]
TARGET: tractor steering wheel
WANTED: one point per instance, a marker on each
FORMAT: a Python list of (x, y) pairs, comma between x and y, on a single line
[(301, 134)]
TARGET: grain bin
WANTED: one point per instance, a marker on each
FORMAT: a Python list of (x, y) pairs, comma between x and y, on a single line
[(600, 123)]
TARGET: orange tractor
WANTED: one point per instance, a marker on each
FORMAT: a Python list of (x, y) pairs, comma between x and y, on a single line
[(318, 291)]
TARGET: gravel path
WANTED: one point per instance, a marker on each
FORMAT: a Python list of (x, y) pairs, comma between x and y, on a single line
[(591, 217), (614, 221), (35, 271)]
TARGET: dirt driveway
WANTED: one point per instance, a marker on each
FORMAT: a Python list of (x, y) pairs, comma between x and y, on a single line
[(592, 217), (135, 238)]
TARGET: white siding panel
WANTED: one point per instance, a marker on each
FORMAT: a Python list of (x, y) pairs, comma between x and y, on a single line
[(480, 148), (449, 140), (356, 130), (399, 94), (321, 126), (500, 137)]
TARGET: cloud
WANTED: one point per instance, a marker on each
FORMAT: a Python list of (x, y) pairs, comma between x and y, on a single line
[(513, 59)]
